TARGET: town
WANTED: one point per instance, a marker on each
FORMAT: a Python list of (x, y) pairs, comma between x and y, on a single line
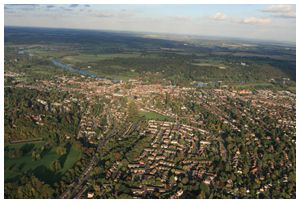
[(96, 114), (196, 130)]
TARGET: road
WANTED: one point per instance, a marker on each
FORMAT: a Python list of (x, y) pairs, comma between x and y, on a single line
[(74, 187), (77, 188)]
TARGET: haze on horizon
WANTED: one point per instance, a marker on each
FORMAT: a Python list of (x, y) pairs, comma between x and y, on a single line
[(261, 22)]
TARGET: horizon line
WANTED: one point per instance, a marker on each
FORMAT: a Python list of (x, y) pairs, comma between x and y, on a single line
[(214, 37)]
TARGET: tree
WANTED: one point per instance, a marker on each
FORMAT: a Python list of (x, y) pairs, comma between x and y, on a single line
[(185, 180), (117, 156), (60, 150), (204, 187), (29, 188), (125, 196), (124, 163), (35, 155), (55, 166), (96, 188), (201, 195), (103, 122), (167, 98)]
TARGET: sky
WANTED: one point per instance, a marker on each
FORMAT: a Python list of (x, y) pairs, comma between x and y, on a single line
[(262, 22)]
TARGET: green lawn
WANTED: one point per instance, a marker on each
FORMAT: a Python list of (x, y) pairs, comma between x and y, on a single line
[(72, 157), (154, 116), (24, 164)]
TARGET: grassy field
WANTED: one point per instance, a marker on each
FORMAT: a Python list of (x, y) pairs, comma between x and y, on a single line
[(121, 73), (219, 66), (154, 116), (96, 57), (40, 168), (47, 53)]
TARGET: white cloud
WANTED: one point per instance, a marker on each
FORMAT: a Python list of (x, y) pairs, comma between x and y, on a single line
[(282, 10), (73, 5), (219, 16), (121, 14), (256, 21), (126, 14), (180, 18), (23, 7), (104, 14)]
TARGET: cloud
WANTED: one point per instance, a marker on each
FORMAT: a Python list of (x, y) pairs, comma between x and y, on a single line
[(50, 6), (104, 14), (73, 5), (281, 10), (22, 6), (219, 16), (8, 9), (125, 13), (180, 18), (66, 9), (256, 21), (110, 13)]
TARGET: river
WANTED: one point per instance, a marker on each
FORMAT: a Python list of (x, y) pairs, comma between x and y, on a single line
[(72, 69)]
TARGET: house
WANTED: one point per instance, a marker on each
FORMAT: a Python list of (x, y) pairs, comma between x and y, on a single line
[(178, 171), (133, 165), (90, 195), (205, 142), (245, 92)]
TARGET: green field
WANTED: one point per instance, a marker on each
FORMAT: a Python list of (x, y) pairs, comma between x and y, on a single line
[(119, 73), (154, 116), (40, 168), (96, 57), (219, 66), (40, 52)]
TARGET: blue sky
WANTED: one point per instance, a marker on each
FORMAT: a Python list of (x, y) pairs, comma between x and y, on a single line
[(265, 22)]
